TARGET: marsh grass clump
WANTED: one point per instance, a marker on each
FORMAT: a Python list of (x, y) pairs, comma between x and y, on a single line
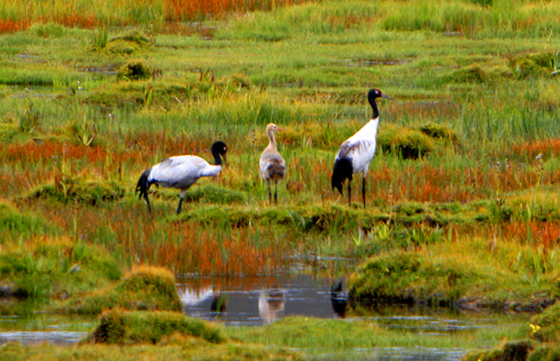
[(68, 189), (216, 194), (40, 269), (124, 327), (404, 142), (125, 44), (49, 29), (319, 333), (545, 326), (412, 278), (30, 120), (15, 224), (144, 288), (536, 65), (472, 74), (439, 132), (136, 69), (300, 219), (509, 351)]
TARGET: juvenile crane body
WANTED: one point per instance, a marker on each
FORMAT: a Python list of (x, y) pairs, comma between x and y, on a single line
[(356, 153), (272, 165), (181, 172)]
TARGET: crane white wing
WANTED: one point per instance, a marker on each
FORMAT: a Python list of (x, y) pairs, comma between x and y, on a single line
[(182, 171), (359, 151)]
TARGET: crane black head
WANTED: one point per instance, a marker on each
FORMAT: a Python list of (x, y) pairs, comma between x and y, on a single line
[(219, 148), (372, 95)]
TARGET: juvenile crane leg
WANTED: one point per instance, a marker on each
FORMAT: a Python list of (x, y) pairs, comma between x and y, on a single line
[(275, 192), (269, 192)]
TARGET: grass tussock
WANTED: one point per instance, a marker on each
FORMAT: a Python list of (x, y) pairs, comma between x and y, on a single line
[(535, 65), (509, 351), (143, 288), (412, 278), (545, 327), (55, 268), (123, 327), (74, 190), (14, 223), (179, 345), (136, 69), (405, 143)]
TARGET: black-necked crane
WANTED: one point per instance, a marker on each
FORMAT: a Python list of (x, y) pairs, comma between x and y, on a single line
[(355, 154), (272, 165), (181, 172)]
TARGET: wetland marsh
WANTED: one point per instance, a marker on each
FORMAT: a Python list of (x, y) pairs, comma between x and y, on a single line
[(462, 203)]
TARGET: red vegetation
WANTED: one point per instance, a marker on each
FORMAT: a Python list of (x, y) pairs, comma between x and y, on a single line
[(9, 26)]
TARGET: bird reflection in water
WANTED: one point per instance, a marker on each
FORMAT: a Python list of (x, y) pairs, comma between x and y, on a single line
[(192, 297), (271, 304), (218, 306), (339, 298)]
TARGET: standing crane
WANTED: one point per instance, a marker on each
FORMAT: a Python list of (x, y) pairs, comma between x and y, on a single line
[(355, 154), (272, 165)]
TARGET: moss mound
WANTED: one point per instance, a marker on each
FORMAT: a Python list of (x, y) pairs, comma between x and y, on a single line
[(532, 65), (59, 267), (302, 219), (14, 223), (122, 327), (469, 74), (412, 278), (439, 132), (67, 190), (136, 69), (510, 351), (216, 194), (404, 142), (144, 288), (546, 326), (127, 43)]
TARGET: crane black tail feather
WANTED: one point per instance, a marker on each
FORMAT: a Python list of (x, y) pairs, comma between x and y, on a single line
[(143, 186), (342, 170)]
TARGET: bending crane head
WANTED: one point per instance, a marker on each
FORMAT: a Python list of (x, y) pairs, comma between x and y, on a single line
[(219, 148)]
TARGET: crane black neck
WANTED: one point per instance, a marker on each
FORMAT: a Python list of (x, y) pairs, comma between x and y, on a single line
[(217, 157), (218, 148), (373, 104)]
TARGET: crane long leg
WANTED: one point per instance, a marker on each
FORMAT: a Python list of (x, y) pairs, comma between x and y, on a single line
[(349, 193), (364, 191), (147, 201), (269, 193), (179, 208), (275, 192)]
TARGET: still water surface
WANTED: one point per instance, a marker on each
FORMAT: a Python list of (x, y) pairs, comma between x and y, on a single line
[(260, 301)]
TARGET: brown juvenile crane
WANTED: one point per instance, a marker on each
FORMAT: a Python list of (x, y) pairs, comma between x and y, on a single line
[(273, 166)]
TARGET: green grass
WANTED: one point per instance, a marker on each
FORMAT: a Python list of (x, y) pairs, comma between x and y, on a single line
[(455, 184)]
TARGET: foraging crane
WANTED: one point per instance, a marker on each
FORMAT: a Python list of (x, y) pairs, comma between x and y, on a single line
[(273, 167), (355, 154), (181, 172)]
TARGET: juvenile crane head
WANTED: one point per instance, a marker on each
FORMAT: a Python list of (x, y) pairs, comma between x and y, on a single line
[(272, 128)]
